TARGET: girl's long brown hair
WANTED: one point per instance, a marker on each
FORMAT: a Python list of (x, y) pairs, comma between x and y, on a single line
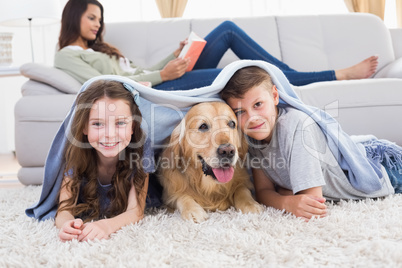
[(71, 27), (81, 158)]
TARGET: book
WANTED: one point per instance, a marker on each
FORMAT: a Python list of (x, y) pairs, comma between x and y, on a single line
[(192, 49)]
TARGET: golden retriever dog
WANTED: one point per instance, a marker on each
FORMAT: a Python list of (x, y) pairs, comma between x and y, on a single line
[(201, 167)]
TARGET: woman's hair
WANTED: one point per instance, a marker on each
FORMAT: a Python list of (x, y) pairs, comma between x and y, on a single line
[(71, 27), (243, 80), (81, 158)]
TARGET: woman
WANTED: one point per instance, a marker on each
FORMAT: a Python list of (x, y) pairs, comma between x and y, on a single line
[(83, 54)]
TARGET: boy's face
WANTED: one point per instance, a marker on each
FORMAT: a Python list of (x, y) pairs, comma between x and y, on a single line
[(256, 111)]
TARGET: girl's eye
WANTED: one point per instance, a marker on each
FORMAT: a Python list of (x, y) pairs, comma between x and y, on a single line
[(204, 127), (258, 104), (121, 123), (232, 124), (97, 124)]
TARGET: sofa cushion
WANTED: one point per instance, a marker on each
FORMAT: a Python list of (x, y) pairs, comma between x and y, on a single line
[(392, 70), (362, 107), (396, 35), (31, 175), (147, 42), (37, 119), (353, 93), (33, 87), (315, 43), (51, 76)]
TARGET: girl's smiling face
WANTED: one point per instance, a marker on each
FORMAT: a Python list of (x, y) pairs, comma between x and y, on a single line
[(109, 127), (256, 111)]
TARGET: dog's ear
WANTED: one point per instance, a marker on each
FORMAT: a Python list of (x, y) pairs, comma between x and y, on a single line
[(243, 148), (173, 149)]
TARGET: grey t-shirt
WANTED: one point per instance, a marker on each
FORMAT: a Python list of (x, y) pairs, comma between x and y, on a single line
[(298, 158)]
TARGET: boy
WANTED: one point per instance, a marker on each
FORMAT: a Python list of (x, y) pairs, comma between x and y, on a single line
[(292, 165)]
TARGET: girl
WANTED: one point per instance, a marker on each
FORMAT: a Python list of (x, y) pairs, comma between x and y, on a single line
[(103, 190), (83, 54)]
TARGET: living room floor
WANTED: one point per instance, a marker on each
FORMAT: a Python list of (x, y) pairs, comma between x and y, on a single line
[(8, 171)]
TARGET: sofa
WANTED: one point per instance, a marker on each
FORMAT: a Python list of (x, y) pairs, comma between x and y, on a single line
[(306, 43)]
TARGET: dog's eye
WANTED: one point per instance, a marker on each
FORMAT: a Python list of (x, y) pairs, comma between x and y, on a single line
[(204, 127), (232, 124)]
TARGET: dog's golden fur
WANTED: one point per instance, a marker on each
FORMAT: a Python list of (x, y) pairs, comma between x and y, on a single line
[(205, 128)]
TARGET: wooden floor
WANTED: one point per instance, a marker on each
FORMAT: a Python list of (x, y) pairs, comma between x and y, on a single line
[(8, 171)]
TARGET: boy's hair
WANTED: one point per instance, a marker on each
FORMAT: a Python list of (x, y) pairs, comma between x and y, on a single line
[(81, 158), (243, 80)]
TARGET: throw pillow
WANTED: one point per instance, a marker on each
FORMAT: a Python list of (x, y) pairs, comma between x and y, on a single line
[(51, 76)]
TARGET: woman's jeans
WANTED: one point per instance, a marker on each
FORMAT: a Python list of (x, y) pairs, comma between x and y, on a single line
[(229, 35)]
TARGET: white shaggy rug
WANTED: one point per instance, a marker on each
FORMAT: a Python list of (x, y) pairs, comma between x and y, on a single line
[(355, 234)]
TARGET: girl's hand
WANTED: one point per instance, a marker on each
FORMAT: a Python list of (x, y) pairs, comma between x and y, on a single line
[(177, 51), (306, 206), (174, 69), (95, 230), (145, 83), (71, 230)]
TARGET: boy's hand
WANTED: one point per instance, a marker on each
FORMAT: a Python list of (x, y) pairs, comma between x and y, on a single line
[(95, 230), (71, 230), (306, 206)]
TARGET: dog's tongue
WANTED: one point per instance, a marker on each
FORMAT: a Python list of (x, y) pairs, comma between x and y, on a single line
[(223, 174)]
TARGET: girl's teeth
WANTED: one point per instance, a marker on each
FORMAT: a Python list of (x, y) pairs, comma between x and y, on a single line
[(109, 144)]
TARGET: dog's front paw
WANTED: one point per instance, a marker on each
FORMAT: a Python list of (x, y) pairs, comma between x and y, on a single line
[(250, 207), (196, 214)]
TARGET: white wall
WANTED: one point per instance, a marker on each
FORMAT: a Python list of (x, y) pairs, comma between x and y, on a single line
[(148, 10), (44, 43), (45, 37)]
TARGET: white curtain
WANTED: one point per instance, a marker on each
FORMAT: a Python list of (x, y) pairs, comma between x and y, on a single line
[(399, 12), (376, 7), (171, 8)]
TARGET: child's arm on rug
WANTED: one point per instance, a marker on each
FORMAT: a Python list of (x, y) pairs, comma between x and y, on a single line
[(305, 204), (135, 212), (69, 227)]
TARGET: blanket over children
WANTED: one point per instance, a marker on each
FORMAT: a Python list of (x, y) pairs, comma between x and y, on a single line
[(163, 110)]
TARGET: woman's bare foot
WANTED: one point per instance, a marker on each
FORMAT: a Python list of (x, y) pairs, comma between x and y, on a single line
[(362, 70)]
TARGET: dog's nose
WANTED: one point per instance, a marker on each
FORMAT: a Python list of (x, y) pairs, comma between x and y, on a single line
[(226, 150)]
